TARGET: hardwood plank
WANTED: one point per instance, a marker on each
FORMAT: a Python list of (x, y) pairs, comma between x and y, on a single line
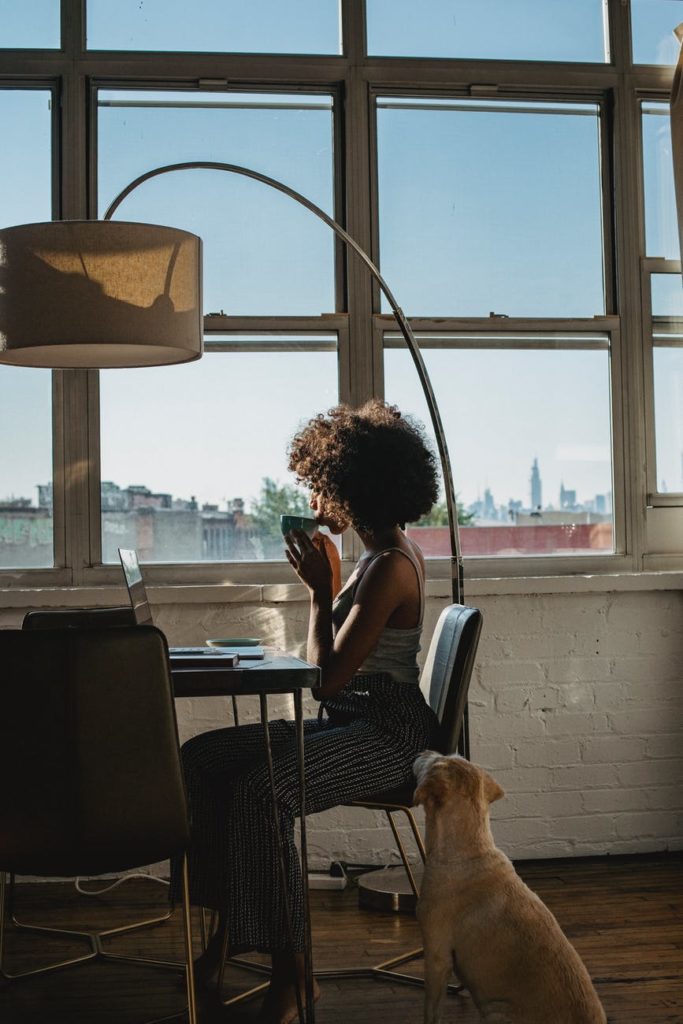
[(623, 915)]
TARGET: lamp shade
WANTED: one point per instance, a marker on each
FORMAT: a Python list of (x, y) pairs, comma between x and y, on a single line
[(99, 294)]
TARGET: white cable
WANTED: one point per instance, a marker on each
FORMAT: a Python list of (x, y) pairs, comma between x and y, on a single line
[(124, 878)]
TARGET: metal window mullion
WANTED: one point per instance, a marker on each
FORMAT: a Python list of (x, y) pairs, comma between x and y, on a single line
[(78, 471), (629, 432), (59, 525), (358, 219), (73, 15), (223, 324), (360, 286), (79, 459), (621, 483), (484, 344)]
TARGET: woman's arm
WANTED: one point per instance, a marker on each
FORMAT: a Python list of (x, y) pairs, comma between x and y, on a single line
[(386, 584)]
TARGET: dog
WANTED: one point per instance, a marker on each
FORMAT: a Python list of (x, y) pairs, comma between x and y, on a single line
[(479, 918)]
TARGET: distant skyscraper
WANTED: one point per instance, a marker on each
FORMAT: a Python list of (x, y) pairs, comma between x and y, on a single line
[(567, 497), (536, 489)]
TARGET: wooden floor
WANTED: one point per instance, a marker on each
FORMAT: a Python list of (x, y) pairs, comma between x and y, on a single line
[(622, 914)]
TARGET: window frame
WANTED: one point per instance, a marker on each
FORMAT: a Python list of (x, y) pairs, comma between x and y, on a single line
[(73, 73)]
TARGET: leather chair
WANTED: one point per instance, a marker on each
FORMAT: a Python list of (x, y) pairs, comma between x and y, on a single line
[(74, 618), (89, 754), (87, 618)]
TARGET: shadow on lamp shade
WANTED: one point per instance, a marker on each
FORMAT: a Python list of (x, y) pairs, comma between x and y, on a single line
[(99, 294)]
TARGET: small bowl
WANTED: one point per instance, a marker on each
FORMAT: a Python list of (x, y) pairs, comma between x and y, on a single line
[(235, 641), (288, 523)]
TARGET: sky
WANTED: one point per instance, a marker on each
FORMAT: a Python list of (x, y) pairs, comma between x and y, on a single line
[(479, 211)]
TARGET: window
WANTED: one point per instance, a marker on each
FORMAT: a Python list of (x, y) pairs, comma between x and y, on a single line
[(527, 420), (265, 26), (491, 207), (661, 221), (194, 464), (264, 255), (662, 311), (652, 28), (502, 222), (190, 454), (564, 30), (26, 530), (29, 23), (480, 151), (667, 339)]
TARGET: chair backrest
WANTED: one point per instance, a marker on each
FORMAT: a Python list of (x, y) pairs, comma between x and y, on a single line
[(70, 618), (447, 672), (89, 753)]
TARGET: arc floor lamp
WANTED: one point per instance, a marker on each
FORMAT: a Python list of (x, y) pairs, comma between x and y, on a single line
[(110, 293), (456, 564)]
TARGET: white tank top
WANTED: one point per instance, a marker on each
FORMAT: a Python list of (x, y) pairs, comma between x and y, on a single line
[(396, 649)]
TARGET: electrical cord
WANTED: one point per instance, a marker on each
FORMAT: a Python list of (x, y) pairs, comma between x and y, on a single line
[(119, 881)]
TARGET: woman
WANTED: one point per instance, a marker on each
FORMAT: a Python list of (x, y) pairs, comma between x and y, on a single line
[(370, 469)]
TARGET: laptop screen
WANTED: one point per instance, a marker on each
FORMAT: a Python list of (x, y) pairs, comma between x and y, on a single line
[(136, 588)]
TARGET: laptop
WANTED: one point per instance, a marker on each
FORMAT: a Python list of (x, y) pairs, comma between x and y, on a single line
[(192, 657)]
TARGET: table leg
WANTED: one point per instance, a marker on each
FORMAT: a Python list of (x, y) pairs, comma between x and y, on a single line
[(280, 849), (308, 944)]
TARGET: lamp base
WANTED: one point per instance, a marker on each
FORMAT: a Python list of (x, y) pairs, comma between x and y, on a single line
[(388, 889)]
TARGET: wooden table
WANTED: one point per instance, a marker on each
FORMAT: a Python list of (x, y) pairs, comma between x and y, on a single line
[(277, 673)]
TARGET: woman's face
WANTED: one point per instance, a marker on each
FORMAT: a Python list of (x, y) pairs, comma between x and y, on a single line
[(334, 524)]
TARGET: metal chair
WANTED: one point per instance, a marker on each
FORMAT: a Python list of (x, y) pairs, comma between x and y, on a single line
[(444, 682), (89, 752)]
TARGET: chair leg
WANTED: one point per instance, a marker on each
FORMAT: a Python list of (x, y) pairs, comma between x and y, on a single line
[(94, 937), (385, 970), (7, 905), (189, 953)]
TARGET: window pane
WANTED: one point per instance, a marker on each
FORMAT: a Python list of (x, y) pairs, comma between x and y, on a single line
[(652, 28), (25, 468), (264, 254), (668, 370), (570, 30), (29, 24), (260, 26), (26, 166), (25, 394), (491, 207), (667, 295), (661, 220), (530, 441), (187, 451)]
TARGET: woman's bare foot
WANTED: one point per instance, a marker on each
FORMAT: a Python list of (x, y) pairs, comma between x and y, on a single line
[(280, 1004)]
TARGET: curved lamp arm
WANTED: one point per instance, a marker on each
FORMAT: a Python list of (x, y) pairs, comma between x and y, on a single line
[(456, 564)]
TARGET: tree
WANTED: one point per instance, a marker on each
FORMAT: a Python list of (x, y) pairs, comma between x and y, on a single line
[(274, 501), (438, 516)]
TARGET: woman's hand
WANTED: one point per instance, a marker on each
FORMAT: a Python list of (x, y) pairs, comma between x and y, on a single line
[(310, 563)]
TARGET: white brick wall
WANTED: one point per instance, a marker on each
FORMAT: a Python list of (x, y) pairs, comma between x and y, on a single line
[(576, 708), (585, 729)]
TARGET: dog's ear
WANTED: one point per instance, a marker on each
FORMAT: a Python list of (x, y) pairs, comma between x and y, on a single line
[(492, 791), (432, 790)]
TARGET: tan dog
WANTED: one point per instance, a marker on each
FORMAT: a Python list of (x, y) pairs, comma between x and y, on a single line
[(478, 917)]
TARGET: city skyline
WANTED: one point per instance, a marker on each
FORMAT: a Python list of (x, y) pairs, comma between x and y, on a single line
[(485, 505)]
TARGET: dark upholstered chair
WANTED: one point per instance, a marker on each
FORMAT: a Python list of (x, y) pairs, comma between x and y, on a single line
[(89, 618), (92, 781), (78, 618)]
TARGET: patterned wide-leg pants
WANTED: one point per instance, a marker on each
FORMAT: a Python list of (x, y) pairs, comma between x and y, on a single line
[(368, 743)]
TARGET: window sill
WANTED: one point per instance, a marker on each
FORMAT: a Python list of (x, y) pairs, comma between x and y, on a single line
[(278, 593)]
